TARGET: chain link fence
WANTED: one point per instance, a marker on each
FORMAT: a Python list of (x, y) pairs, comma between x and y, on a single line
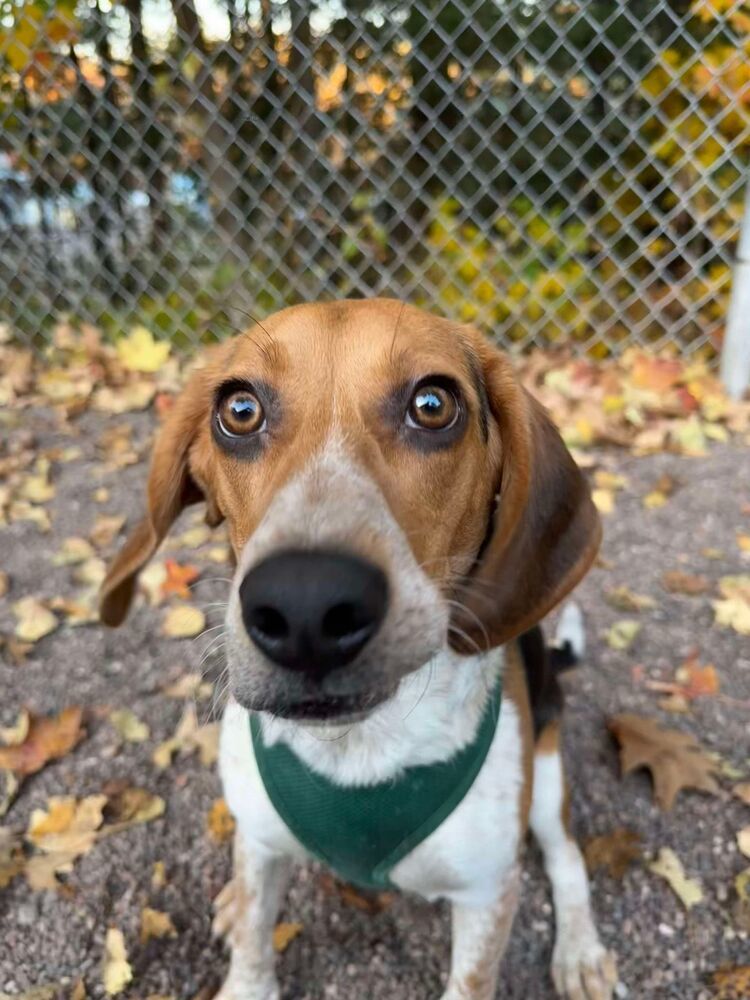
[(558, 172)]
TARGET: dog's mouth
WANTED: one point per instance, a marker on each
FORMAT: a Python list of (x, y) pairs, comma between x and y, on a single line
[(326, 708)]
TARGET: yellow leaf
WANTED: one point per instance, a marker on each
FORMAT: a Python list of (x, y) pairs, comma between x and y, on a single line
[(284, 934), (73, 551), (743, 841), (140, 352), (117, 972), (622, 633), (604, 500), (156, 924), (183, 622), (220, 823), (35, 620), (669, 867), (129, 726)]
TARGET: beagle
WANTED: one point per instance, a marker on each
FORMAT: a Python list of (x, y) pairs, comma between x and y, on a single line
[(402, 514)]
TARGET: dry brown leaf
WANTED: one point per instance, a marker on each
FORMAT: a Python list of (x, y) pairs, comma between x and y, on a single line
[(624, 599), (742, 792), (35, 620), (4, 583), (48, 738), (106, 528), (675, 760), (156, 924), (220, 822), (284, 934), (365, 901), (189, 737), (615, 851), (183, 621), (178, 579), (669, 867), (11, 856), (117, 972), (130, 806), (732, 983), (677, 582)]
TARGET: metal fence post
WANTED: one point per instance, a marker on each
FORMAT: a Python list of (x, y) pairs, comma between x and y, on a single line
[(735, 355)]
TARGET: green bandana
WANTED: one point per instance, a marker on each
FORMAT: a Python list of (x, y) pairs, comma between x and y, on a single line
[(362, 832)]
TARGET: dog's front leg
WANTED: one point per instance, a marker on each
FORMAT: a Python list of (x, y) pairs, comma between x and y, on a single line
[(246, 911), (480, 936)]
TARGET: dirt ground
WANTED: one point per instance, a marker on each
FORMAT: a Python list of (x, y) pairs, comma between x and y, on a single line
[(402, 952)]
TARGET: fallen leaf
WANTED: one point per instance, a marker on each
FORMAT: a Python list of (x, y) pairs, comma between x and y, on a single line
[(131, 807), (695, 680), (151, 581), (4, 583), (188, 738), (284, 934), (62, 833), (732, 983), (117, 972), (72, 551), (140, 352), (743, 841), (675, 760), (129, 726), (9, 785), (734, 608), (183, 621), (91, 572), (622, 633), (624, 599), (742, 792), (48, 738), (604, 500), (156, 924), (365, 901), (669, 867), (125, 399), (11, 856), (743, 541), (615, 851), (106, 528), (158, 875), (193, 537), (677, 582), (100, 495), (35, 620), (178, 579), (13, 736), (220, 822), (741, 907), (189, 686)]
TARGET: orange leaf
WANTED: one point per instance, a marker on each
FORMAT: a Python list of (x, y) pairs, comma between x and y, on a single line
[(657, 374), (284, 934), (48, 738), (178, 579), (696, 681)]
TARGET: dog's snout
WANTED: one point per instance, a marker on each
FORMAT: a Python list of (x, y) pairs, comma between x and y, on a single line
[(313, 611)]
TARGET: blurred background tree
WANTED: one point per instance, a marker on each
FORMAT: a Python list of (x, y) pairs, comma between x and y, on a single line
[(556, 170)]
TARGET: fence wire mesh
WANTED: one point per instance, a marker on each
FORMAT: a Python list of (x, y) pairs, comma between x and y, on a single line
[(558, 172)]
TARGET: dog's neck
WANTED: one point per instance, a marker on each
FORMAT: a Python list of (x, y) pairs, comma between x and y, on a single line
[(434, 713)]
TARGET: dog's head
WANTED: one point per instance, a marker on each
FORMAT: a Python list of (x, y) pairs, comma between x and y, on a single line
[(389, 489)]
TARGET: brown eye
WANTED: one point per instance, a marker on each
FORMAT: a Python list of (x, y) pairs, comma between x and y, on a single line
[(432, 408), (240, 413)]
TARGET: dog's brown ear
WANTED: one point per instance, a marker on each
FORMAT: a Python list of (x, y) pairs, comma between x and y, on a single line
[(172, 485), (544, 531)]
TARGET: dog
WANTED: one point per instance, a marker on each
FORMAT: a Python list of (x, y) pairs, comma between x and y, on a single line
[(402, 514)]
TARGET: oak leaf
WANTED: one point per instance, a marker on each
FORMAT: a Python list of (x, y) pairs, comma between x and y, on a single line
[(675, 760)]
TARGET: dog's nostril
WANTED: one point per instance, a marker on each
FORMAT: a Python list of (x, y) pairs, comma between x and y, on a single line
[(270, 622), (343, 620)]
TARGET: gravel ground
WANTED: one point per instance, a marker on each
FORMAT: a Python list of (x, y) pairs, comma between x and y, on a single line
[(401, 952)]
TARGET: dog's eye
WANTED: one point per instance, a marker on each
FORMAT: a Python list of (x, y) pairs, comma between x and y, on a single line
[(240, 413), (432, 408)]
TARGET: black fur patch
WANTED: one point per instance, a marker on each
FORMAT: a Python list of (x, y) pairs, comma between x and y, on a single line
[(542, 665)]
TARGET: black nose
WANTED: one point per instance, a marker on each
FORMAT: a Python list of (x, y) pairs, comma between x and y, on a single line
[(313, 610)]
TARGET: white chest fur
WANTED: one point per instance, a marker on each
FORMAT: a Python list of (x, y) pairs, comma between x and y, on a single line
[(435, 712)]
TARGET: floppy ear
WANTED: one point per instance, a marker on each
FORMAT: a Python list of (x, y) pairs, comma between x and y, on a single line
[(172, 485), (544, 531)]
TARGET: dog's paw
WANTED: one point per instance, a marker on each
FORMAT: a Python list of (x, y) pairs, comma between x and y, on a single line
[(582, 968)]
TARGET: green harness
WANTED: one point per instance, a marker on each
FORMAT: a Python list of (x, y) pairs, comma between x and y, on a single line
[(362, 832)]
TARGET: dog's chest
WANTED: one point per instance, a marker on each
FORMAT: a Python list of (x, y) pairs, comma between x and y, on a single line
[(461, 860)]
